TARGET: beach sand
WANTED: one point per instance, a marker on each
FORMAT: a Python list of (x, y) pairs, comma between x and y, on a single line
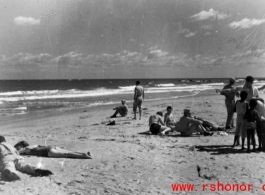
[(126, 161)]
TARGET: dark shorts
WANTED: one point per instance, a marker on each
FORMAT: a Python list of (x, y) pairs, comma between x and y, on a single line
[(260, 127), (155, 128)]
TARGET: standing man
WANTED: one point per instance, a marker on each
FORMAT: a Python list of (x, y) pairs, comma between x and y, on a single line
[(229, 103), (138, 99), (253, 92)]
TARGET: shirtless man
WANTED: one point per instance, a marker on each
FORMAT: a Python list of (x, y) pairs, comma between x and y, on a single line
[(188, 125), (138, 99), (157, 126)]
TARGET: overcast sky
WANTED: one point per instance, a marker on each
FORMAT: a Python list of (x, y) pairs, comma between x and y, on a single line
[(86, 39)]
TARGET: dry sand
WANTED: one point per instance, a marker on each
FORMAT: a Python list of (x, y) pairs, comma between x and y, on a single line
[(126, 162)]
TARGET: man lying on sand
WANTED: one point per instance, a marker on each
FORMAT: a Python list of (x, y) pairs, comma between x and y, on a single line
[(11, 162), (24, 148), (156, 124), (188, 125), (122, 110)]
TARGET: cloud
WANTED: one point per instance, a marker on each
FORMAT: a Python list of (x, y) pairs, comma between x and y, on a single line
[(247, 23), (190, 34), (187, 32), (26, 21), (207, 27), (211, 14), (184, 30), (27, 59), (156, 54), (207, 33)]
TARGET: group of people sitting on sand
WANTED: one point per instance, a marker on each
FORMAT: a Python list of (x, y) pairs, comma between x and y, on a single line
[(187, 125)]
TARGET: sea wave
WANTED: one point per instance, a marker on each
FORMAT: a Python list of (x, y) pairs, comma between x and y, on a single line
[(75, 93), (17, 93), (165, 85)]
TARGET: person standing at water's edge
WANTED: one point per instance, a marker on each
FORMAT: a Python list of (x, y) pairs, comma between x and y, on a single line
[(229, 103), (138, 99)]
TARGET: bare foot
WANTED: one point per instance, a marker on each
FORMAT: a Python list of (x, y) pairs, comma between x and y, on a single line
[(89, 155), (134, 118)]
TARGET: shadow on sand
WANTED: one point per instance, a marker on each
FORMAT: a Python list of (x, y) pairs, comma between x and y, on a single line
[(169, 135), (220, 149)]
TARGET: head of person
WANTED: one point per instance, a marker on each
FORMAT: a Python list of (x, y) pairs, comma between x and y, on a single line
[(186, 112), (137, 82), (2, 139), (232, 81), (249, 81), (123, 102), (21, 144), (243, 95), (169, 109), (160, 113), (252, 104)]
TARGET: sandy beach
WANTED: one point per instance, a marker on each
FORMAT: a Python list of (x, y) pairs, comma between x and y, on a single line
[(127, 161)]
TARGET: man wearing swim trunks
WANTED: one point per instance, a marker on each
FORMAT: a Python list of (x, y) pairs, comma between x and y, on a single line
[(157, 126), (138, 99)]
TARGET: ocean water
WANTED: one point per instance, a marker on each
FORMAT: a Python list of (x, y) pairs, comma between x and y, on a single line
[(24, 96)]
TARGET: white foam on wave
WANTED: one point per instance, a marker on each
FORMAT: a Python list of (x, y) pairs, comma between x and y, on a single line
[(21, 108), (165, 85), (74, 93), (18, 93)]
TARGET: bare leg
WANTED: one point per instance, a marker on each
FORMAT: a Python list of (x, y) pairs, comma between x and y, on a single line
[(164, 130), (134, 109), (61, 153)]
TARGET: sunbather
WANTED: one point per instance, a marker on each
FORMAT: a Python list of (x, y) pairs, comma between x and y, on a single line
[(48, 151)]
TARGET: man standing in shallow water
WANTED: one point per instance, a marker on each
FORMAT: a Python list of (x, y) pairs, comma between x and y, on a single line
[(138, 99)]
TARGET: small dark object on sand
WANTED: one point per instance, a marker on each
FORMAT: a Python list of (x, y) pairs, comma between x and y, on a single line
[(111, 122), (199, 170)]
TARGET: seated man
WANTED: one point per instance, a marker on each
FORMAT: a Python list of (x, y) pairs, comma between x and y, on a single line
[(188, 125), (11, 162), (157, 127), (122, 110), (24, 148), (169, 119)]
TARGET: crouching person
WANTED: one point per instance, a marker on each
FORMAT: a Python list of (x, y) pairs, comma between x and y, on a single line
[(157, 126), (187, 125), (11, 162)]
